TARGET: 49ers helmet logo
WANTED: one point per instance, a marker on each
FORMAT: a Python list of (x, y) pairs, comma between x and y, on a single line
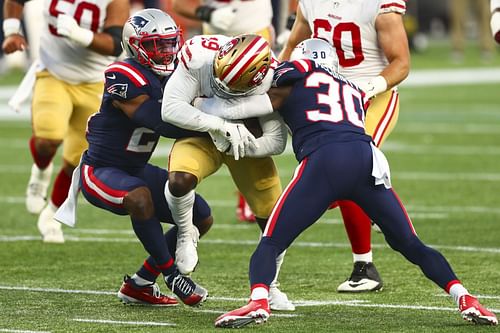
[(224, 50), (259, 76)]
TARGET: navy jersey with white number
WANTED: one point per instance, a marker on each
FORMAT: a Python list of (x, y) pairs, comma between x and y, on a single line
[(322, 107), (115, 139)]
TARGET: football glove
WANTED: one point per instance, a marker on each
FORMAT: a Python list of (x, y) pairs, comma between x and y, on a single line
[(221, 18), (68, 27), (239, 137), (373, 87)]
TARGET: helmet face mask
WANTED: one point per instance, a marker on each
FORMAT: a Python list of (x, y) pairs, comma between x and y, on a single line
[(240, 66), (153, 39)]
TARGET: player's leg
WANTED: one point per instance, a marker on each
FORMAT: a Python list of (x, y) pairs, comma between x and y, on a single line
[(287, 221), (85, 101), (50, 118), (380, 120), (258, 180), (116, 191), (191, 160), (385, 208)]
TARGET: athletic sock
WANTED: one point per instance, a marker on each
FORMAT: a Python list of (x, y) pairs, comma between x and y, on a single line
[(41, 161), (60, 188)]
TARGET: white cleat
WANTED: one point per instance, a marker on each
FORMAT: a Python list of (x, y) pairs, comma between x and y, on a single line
[(36, 192), (50, 229), (278, 300), (186, 255)]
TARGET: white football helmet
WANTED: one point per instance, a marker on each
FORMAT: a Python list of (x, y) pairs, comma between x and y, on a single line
[(318, 50), (240, 66), (152, 37)]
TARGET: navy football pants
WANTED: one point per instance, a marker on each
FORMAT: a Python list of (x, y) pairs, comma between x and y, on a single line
[(341, 171)]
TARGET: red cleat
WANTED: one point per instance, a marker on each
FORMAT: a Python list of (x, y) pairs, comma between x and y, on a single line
[(472, 310), (131, 293), (254, 312), (243, 211), (185, 289)]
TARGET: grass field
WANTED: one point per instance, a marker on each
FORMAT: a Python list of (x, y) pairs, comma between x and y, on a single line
[(445, 160)]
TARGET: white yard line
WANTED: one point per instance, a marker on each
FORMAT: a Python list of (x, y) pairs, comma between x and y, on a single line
[(21, 331), (70, 238), (120, 322), (299, 303)]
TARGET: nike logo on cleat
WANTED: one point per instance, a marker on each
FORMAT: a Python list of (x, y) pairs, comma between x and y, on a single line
[(356, 284)]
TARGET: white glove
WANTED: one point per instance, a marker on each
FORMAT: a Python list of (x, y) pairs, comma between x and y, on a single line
[(221, 143), (239, 137), (373, 87), (68, 27), (222, 18), (283, 37)]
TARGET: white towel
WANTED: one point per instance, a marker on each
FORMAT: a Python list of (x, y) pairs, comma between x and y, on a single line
[(66, 214), (380, 171), (25, 89)]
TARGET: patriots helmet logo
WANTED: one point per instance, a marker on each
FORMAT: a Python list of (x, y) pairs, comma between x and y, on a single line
[(138, 22), (119, 89)]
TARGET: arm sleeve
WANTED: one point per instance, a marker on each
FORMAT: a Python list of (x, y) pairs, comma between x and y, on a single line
[(236, 108), (148, 115), (273, 139), (180, 90)]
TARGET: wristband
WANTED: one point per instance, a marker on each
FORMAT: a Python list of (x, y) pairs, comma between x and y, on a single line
[(11, 26), (379, 84), (82, 36)]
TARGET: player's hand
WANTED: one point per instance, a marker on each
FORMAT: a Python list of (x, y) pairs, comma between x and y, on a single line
[(495, 26), (13, 43), (239, 136), (221, 143), (373, 87), (68, 27), (222, 18)]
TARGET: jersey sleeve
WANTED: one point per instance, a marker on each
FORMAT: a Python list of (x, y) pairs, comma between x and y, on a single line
[(124, 82), (203, 48), (288, 72), (392, 6)]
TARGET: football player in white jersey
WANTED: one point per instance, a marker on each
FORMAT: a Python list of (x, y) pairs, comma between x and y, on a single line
[(246, 64), (80, 38), (372, 47), (231, 18), (495, 19)]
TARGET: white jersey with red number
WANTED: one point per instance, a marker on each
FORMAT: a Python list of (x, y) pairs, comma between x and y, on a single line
[(251, 16), (350, 26), (64, 58)]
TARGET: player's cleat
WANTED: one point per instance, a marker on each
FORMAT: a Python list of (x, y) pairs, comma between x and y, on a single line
[(473, 311), (50, 229), (278, 300), (243, 211), (131, 293), (254, 312), (36, 192), (186, 255), (185, 289), (364, 277)]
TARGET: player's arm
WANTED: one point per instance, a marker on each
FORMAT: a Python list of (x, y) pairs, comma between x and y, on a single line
[(221, 18), (107, 42), (394, 43), (300, 31), (145, 112), (273, 139), (236, 108), (12, 13), (495, 19), (180, 90)]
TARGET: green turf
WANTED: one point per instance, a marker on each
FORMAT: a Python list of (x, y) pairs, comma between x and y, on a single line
[(445, 157)]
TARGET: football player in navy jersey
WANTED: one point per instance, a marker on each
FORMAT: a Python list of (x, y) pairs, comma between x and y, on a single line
[(114, 173), (337, 160)]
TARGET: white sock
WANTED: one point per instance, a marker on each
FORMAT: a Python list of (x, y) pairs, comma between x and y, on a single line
[(259, 293), (366, 257), (279, 262), (140, 281), (181, 208), (457, 291)]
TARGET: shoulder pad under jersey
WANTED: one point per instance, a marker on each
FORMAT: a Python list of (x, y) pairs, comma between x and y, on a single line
[(201, 50), (125, 81)]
